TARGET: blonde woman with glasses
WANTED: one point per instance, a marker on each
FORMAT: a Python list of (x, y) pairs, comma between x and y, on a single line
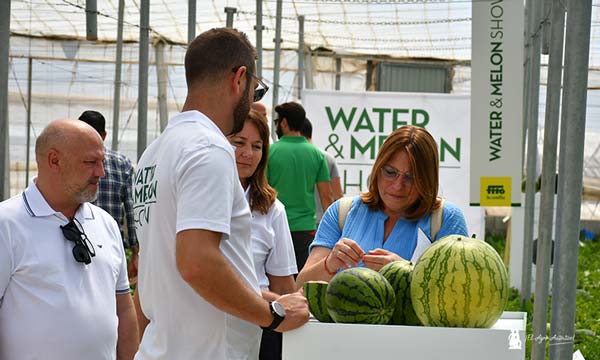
[(390, 221)]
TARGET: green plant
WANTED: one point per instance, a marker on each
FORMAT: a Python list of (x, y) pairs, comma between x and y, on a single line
[(587, 307)]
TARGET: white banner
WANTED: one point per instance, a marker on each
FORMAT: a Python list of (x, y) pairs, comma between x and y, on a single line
[(496, 102), (352, 126)]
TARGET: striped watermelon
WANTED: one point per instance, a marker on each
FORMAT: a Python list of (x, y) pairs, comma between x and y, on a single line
[(360, 296), (398, 274), (459, 282), (315, 292)]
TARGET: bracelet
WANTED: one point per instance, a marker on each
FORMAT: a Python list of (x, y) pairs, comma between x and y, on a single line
[(325, 266)]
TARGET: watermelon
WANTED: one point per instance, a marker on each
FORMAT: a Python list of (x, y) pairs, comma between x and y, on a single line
[(398, 274), (360, 296), (459, 282), (315, 292)]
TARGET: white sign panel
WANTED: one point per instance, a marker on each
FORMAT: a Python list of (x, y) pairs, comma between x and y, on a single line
[(352, 127), (496, 102)]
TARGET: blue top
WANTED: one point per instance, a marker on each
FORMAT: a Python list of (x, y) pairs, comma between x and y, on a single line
[(365, 226)]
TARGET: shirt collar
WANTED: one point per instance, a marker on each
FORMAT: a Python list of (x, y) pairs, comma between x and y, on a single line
[(295, 139), (192, 116), (37, 206), (247, 193)]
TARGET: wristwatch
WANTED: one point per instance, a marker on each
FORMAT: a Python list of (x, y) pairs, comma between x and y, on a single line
[(278, 315)]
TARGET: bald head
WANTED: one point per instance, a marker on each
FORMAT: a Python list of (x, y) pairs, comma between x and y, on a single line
[(260, 108), (70, 155), (64, 135)]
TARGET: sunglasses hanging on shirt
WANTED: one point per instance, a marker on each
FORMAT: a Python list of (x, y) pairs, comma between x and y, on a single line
[(83, 251)]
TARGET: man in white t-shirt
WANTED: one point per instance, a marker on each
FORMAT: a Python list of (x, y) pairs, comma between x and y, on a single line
[(197, 288), (64, 292)]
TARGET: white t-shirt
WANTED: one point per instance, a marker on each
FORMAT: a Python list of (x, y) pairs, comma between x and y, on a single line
[(51, 306), (272, 244), (187, 179)]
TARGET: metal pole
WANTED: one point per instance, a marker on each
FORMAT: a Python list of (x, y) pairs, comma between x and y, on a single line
[(369, 77), (143, 78), (338, 72), (300, 55), (4, 64), (91, 20), (544, 244), (562, 191), (191, 20), (577, 51), (308, 70), (259, 28), (161, 75), (117, 89), (28, 138), (532, 127), (527, 75), (277, 58), (546, 26), (230, 11)]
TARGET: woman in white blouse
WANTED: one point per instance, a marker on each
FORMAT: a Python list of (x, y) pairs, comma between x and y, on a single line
[(274, 258)]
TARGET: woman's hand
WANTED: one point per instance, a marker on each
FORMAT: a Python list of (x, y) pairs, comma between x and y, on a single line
[(377, 258), (345, 254)]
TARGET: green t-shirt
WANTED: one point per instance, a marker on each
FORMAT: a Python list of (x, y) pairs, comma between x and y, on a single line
[(294, 167)]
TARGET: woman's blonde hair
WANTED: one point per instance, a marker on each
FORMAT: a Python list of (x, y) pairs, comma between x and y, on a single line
[(422, 152)]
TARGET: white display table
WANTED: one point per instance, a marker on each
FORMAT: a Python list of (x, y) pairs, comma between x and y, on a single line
[(316, 340)]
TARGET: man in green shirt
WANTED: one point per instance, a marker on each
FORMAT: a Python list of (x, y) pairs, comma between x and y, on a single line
[(295, 167)]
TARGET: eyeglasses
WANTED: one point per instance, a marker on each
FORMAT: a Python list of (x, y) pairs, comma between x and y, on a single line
[(83, 251), (262, 88), (260, 91), (391, 174)]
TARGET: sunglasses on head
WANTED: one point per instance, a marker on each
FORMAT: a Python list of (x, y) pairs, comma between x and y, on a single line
[(261, 89), (83, 251)]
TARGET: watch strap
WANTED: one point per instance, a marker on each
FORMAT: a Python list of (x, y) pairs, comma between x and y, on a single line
[(277, 319)]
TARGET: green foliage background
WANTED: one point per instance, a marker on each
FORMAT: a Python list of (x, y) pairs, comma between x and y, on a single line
[(587, 312)]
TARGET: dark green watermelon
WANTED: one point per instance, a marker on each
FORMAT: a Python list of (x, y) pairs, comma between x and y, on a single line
[(360, 296), (398, 274), (315, 292)]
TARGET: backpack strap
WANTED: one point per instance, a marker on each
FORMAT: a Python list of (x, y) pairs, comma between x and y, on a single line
[(436, 220), (344, 208)]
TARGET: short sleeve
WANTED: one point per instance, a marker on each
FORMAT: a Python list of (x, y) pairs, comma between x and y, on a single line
[(329, 231), (453, 221), (281, 261), (334, 172), (204, 185), (323, 174), (122, 285), (6, 264)]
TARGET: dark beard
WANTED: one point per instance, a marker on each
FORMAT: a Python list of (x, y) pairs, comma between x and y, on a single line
[(240, 113), (278, 131)]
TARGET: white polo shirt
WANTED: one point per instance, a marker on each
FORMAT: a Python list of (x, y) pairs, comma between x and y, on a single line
[(272, 244), (187, 179), (52, 306)]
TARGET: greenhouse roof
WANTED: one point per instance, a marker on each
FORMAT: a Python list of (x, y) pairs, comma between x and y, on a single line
[(403, 28)]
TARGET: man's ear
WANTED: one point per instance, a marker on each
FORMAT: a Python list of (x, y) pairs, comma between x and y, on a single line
[(239, 80), (53, 159)]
